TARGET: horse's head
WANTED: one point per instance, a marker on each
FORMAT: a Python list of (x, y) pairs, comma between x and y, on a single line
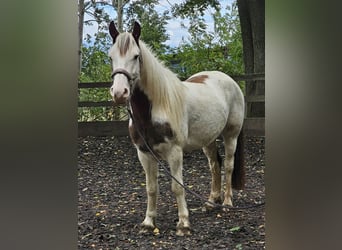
[(125, 55)]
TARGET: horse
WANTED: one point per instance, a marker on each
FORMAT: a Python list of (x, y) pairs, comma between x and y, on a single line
[(170, 117)]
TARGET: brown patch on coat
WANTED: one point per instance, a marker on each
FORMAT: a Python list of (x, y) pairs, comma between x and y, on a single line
[(154, 133), (197, 79)]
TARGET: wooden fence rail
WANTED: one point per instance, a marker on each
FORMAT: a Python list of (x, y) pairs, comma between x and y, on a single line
[(254, 126)]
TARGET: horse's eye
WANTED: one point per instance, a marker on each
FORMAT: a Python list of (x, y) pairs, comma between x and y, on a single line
[(136, 57)]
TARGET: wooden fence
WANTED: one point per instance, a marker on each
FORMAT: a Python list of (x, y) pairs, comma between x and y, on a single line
[(254, 123)]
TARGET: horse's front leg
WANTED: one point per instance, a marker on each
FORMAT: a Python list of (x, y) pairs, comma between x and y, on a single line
[(151, 172), (175, 160)]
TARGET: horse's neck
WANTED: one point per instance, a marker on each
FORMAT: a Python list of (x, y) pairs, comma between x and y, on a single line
[(141, 106), (163, 88), (154, 75)]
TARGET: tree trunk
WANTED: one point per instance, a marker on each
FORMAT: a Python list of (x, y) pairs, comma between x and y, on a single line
[(120, 14), (80, 32), (252, 21), (118, 6)]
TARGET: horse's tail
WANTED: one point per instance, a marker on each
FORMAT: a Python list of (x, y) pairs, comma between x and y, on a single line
[(238, 176)]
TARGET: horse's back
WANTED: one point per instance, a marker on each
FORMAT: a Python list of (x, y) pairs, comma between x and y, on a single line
[(213, 99), (215, 88)]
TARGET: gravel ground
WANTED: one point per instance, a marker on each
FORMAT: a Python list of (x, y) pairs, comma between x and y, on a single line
[(112, 201)]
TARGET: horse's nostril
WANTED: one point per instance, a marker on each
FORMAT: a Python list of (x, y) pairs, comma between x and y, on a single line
[(125, 91)]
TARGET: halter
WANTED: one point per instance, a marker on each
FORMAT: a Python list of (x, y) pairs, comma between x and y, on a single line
[(124, 72), (129, 76)]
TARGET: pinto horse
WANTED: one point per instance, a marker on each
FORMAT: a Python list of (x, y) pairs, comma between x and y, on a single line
[(170, 116)]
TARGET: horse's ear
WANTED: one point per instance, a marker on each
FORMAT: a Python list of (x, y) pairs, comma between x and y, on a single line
[(136, 31), (113, 31)]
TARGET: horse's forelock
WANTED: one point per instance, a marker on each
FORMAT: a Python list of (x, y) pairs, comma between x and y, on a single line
[(125, 43)]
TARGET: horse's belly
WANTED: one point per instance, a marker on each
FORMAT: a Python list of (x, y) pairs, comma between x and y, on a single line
[(199, 137), (198, 143), (207, 115)]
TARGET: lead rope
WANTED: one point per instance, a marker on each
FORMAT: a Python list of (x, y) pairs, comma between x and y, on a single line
[(185, 187)]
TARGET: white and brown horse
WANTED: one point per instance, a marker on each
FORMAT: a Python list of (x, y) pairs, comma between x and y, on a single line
[(175, 116)]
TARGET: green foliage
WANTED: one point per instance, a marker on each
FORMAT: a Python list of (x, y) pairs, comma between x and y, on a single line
[(190, 8), (153, 24), (238, 246), (234, 229), (219, 50), (96, 67)]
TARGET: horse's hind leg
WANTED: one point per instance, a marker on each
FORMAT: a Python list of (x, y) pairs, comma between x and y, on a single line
[(214, 160), (151, 171), (230, 137)]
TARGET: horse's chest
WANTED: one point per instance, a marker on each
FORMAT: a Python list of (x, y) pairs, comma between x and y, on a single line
[(142, 130), (152, 134)]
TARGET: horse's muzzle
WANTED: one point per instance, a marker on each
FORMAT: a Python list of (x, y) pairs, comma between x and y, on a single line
[(119, 96), (121, 91)]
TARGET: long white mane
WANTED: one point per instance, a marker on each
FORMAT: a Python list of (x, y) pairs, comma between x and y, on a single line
[(163, 88)]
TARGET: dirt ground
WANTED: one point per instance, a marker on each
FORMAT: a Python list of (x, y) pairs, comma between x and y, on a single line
[(112, 201)]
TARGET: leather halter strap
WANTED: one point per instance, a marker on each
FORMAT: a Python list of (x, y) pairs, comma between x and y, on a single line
[(124, 72)]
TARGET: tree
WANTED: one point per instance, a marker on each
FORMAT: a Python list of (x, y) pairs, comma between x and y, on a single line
[(220, 49), (119, 7), (217, 50), (152, 22), (81, 10), (193, 8), (252, 19), (142, 11), (95, 64)]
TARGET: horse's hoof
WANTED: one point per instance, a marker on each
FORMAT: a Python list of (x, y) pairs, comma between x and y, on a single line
[(208, 207), (225, 208), (183, 231), (146, 229)]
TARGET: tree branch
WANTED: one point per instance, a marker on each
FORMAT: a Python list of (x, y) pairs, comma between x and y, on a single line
[(102, 2), (169, 3)]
